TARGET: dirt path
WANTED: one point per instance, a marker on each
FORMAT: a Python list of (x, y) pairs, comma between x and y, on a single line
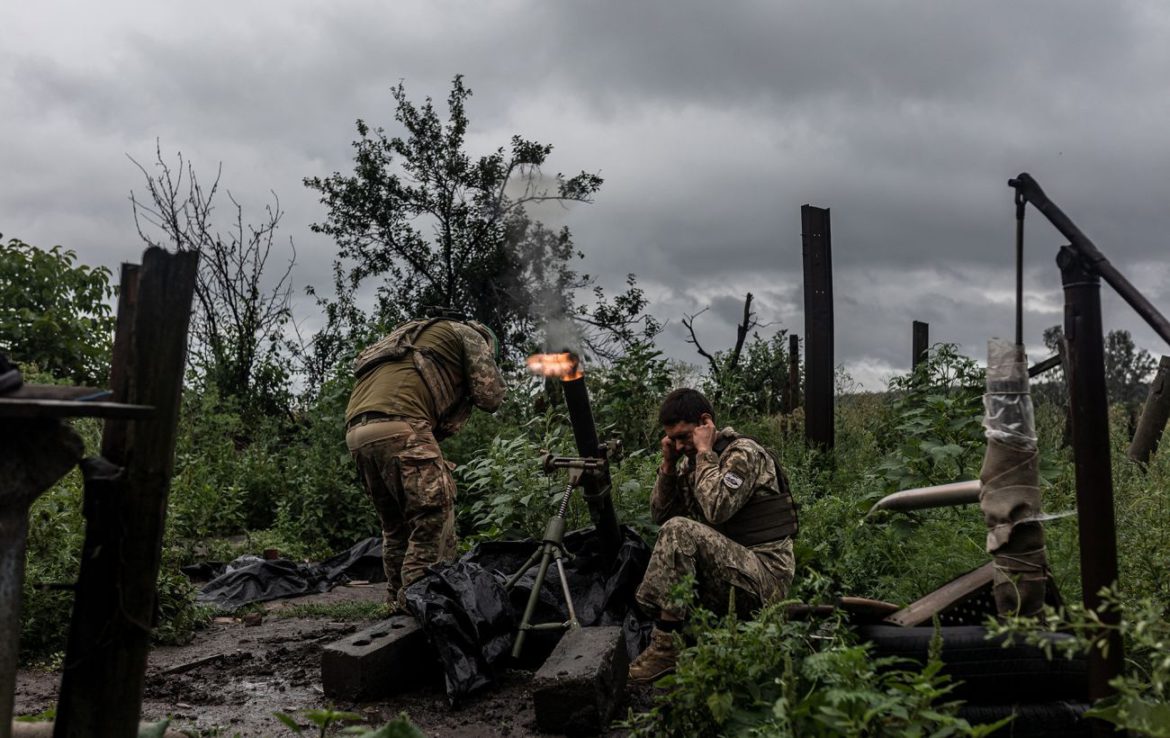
[(232, 677)]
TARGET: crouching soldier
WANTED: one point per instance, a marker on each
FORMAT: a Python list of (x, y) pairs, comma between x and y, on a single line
[(728, 520), (414, 388)]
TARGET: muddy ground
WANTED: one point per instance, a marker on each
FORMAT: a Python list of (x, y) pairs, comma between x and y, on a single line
[(232, 677)]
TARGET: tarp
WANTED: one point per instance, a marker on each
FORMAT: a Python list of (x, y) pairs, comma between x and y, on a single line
[(471, 621), (468, 617), (251, 579)]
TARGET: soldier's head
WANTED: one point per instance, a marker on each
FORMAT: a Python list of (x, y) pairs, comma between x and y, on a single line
[(682, 411)]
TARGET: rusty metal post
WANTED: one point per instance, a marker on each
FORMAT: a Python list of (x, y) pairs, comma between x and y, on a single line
[(1079, 243), (921, 343), (818, 327), (792, 400), (1154, 415), (1094, 476)]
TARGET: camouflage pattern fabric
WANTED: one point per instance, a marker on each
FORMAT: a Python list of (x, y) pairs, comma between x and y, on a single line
[(690, 504), (410, 484), (485, 384)]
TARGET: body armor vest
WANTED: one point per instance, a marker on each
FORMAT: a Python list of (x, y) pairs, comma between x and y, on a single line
[(452, 408), (764, 518)]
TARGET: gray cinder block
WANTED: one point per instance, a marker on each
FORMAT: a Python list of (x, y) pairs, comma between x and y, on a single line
[(386, 658), (581, 683)]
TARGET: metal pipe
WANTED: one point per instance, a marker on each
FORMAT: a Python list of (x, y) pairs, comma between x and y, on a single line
[(922, 498), (1040, 367), (1094, 475), (1080, 244), (595, 490)]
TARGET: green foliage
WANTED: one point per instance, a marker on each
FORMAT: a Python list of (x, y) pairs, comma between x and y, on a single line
[(400, 727), (936, 425), (754, 381), (774, 677), (437, 226), (1142, 700), (54, 312), (626, 395)]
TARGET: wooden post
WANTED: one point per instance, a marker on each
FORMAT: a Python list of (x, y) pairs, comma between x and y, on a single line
[(1094, 474), (818, 327), (109, 635), (921, 343), (792, 399), (1154, 415)]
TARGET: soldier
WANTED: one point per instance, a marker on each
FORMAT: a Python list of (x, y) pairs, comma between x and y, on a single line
[(414, 388), (727, 519)]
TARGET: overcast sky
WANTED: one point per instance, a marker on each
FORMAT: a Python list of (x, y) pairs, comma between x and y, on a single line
[(712, 123)]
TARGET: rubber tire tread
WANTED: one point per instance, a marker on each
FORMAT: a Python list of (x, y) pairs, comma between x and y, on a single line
[(991, 674)]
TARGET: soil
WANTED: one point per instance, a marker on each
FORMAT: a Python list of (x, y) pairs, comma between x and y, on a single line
[(232, 677)]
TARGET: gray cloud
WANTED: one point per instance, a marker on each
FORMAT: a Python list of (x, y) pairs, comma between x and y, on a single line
[(712, 124)]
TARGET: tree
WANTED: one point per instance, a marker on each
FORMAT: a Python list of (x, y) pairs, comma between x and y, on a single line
[(751, 377), (439, 227), (55, 313), (1127, 368), (241, 309)]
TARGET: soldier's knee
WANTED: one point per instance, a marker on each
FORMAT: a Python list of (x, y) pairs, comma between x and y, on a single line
[(679, 527)]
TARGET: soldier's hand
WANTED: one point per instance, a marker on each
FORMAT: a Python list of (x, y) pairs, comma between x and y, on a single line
[(669, 455), (704, 435)]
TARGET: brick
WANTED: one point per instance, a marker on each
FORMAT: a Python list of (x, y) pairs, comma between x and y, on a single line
[(577, 689), (386, 658)]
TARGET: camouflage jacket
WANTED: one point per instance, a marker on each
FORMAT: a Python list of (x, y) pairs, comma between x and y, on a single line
[(455, 385), (718, 485)]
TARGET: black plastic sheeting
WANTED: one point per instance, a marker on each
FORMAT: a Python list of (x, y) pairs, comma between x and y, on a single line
[(471, 621), (251, 579), (468, 617)]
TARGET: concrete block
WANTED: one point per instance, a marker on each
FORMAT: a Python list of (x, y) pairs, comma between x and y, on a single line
[(581, 683), (386, 658)]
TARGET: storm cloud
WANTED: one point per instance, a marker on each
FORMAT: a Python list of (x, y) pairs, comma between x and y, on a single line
[(711, 123)]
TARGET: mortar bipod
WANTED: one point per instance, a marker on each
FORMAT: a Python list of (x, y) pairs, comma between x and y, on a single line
[(552, 548)]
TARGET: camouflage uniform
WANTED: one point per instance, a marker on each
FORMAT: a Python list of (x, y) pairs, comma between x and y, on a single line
[(691, 505), (394, 421)]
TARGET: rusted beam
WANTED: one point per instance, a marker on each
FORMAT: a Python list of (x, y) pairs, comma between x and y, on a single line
[(1154, 415), (921, 343), (109, 634), (1042, 366), (1085, 345), (792, 399), (818, 327), (1080, 244)]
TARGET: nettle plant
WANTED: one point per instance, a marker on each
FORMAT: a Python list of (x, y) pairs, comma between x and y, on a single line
[(773, 676), (1141, 703), (935, 432)]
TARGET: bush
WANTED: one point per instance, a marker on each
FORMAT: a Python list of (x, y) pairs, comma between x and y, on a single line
[(775, 677)]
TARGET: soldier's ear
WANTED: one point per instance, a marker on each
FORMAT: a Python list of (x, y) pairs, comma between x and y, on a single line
[(706, 418)]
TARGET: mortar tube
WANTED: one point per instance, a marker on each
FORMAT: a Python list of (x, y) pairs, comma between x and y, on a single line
[(595, 490)]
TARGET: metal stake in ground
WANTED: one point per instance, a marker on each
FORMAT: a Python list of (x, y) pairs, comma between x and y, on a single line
[(1094, 475)]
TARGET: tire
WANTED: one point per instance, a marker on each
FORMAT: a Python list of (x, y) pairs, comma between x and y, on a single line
[(1042, 720), (990, 673)]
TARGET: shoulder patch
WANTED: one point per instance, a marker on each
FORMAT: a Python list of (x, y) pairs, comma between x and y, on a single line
[(732, 480)]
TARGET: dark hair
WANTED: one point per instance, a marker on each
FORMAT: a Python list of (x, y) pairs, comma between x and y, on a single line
[(685, 405)]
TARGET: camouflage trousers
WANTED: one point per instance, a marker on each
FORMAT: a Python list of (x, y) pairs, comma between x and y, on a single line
[(719, 565), (410, 484)]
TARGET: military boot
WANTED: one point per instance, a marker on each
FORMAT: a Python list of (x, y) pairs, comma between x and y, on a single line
[(657, 660)]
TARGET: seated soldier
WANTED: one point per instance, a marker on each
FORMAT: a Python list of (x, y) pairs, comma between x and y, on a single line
[(727, 519)]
